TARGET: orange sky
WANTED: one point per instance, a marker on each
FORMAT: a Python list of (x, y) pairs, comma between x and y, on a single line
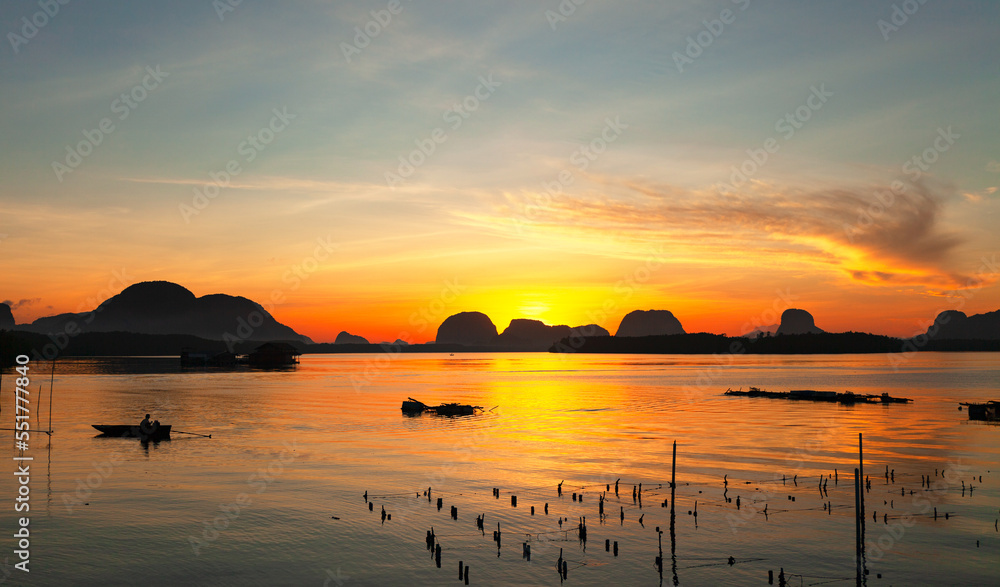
[(568, 172)]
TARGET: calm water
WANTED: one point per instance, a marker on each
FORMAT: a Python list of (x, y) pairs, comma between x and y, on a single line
[(292, 450)]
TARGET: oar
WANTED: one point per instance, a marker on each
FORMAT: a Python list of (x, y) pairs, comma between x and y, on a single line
[(192, 433)]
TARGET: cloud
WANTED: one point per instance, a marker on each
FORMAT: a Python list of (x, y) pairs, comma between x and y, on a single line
[(876, 235), (22, 303)]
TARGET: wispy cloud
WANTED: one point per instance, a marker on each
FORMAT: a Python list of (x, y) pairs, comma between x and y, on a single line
[(845, 227)]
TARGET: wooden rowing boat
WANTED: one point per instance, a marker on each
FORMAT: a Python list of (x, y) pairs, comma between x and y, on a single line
[(126, 431)]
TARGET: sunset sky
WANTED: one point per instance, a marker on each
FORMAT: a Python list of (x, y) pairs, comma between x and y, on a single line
[(722, 160)]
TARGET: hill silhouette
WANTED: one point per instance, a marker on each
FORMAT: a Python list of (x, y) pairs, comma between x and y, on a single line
[(535, 335), (467, 328), (162, 307), (795, 321), (649, 323), (347, 338), (955, 325)]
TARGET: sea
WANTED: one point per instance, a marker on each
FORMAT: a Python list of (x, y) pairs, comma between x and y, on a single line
[(314, 476)]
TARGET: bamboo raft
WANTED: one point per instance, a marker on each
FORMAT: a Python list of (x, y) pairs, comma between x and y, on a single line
[(845, 397), (414, 407)]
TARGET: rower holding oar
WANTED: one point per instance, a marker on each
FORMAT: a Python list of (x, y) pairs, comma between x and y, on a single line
[(148, 428)]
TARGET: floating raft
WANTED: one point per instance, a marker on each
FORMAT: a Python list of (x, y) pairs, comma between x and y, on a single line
[(987, 411), (845, 397), (412, 406)]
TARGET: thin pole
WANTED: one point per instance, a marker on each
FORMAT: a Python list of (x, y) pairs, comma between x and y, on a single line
[(857, 522), (52, 380), (673, 532), (673, 475), (861, 473)]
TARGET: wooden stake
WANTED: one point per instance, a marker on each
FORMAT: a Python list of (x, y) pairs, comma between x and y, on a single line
[(857, 522), (673, 479)]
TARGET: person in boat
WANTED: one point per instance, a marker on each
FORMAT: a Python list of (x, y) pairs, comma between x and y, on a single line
[(146, 428)]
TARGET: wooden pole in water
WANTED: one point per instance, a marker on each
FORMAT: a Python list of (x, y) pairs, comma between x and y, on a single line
[(52, 379), (673, 476), (857, 522), (861, 477)]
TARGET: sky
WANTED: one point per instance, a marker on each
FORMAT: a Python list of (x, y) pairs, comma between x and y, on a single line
[(377, 166)]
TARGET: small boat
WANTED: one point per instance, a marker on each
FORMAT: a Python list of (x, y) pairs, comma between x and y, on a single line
[(986, 411), (162, 432), (415, 407)]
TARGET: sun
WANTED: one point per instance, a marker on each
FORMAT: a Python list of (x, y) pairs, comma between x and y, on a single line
[(533, 308)]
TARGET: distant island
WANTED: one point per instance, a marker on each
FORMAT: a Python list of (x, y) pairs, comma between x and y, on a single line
[(164, 318)]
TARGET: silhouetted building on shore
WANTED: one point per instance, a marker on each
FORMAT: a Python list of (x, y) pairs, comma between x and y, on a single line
[(274, 354)]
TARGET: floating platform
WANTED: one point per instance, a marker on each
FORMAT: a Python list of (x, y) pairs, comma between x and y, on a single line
[(840, 397), (415, 407), (986, 411)]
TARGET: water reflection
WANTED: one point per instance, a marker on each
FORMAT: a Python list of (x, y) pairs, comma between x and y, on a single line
[(754, 467)]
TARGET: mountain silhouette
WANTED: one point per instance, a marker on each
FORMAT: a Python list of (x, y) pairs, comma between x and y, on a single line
[(795, 321), (588, 330), (522, 334), (467, 328), (531, 334), (162, 307), (955, 325), (347, 338), (649, 323)]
